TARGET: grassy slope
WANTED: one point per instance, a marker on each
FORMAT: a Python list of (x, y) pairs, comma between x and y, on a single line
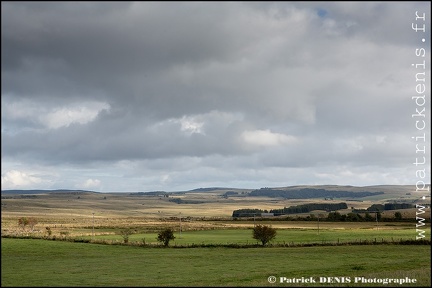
[(54, 263)]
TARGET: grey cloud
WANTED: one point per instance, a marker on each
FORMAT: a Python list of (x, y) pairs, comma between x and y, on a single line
[(186, 80)]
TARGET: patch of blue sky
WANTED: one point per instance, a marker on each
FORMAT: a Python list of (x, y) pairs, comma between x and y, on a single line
[(321, 12)]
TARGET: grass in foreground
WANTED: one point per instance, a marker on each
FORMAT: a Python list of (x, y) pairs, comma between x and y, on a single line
[(29, 262)]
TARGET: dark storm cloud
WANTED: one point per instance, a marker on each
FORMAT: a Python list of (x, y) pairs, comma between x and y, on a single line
[(106, 45)]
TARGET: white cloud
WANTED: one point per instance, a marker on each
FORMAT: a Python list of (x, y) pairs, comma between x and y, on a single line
[(52, 117), (189, 125), (345, 175), (266, 138), (165, 179), (90, 184), (14, 179), (198, 123), (64, 116)]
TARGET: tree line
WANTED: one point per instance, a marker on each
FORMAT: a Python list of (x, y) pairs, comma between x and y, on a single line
[(305, 208), (328, 207)]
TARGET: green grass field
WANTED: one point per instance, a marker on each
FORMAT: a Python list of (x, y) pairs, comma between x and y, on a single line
[(296, 236), (30, 262)]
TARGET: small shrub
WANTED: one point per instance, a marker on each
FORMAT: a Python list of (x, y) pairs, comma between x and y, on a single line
[(166, 236), (263, 233), (125, 233)]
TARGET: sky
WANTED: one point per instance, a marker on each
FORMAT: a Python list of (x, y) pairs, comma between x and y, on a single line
[(173, 96)]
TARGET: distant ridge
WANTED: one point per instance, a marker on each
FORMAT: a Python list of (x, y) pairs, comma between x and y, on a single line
[(270, 190), (44, 191), (305, 193), (209, 189)]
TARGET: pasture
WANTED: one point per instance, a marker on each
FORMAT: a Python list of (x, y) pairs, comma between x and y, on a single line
[(284, 236), (30, 262)]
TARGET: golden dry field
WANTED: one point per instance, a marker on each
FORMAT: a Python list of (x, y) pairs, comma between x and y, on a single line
[(198, 210)]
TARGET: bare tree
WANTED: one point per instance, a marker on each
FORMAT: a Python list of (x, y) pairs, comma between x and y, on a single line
[(32, 222), (23, 222)]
